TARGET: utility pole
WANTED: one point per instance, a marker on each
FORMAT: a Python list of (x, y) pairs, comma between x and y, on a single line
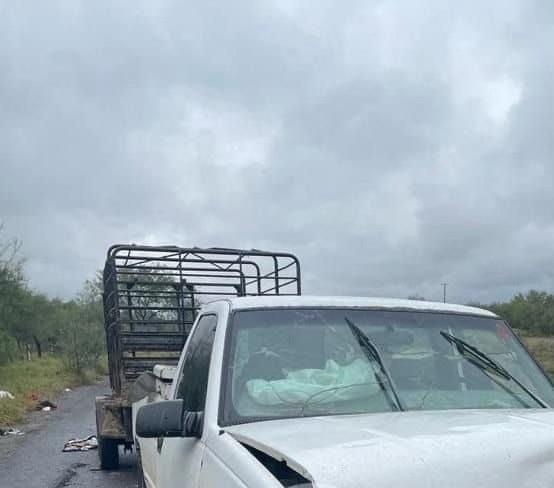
[(444, 292)]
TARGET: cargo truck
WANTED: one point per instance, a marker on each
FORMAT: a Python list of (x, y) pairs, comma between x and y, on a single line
[(151, 297)]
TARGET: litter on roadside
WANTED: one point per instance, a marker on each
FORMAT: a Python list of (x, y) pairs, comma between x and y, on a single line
[(46, 405), (67, 390), (85, 444), (11, 431), (6, 394)]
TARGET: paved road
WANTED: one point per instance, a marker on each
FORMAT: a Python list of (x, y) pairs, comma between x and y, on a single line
[(36, 460)]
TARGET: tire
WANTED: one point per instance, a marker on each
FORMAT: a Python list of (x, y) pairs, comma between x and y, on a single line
[(108, 452)]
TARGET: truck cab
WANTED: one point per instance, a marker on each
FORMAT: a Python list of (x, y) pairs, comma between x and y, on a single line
[(344, 392)]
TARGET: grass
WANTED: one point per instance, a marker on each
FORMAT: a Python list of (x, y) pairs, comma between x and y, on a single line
[(543, 350), (31, 380)]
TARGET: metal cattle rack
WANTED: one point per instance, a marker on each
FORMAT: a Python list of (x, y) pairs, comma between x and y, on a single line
[(153, 293)]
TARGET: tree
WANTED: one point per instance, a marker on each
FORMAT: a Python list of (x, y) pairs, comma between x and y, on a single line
[(12, 288), (32, 323), (532, 312), (82, 340)]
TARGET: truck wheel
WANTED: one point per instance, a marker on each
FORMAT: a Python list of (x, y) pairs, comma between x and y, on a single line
[(108, 452)]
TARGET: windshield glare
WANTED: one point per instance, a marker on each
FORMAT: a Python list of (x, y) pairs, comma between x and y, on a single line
[(304, 362)]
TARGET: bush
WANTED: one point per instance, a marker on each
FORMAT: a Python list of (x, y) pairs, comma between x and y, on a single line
[(82, 342), (8, 348)]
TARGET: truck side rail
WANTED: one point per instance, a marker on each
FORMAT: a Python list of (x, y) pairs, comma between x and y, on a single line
[(153, 293)]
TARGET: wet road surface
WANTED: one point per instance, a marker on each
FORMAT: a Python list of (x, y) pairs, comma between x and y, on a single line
[(36, 460)]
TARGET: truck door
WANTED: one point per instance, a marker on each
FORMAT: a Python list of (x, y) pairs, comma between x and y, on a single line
[(179, 459)]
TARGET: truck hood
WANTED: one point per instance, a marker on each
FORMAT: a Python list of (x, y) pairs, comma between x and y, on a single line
[(455, 449)]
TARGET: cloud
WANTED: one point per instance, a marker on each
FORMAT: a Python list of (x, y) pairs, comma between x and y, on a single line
[(393, 146)]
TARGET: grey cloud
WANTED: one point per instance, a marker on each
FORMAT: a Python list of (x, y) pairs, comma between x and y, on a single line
[(391, 147)]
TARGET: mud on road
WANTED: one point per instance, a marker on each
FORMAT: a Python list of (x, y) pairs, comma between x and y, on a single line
[(36, 460)]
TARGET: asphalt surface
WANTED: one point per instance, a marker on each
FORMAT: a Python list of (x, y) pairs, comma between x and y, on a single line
[(36, 460)]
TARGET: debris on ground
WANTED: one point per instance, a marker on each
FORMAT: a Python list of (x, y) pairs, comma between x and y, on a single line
[(46, 405), (67, 390), (6, 394), (85, 444), (10, 431)]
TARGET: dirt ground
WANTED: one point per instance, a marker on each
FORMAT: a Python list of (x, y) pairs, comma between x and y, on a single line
[(36, 460)]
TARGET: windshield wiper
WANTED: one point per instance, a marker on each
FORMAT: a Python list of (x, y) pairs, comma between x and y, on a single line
[(373, 355), (486, 363)]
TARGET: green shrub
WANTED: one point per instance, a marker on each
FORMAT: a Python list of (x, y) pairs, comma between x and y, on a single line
[(8, 348)]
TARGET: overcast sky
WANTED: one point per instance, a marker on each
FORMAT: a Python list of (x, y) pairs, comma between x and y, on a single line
[(393, 145)]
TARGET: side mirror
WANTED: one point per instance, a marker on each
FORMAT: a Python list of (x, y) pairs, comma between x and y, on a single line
[(167, 418)]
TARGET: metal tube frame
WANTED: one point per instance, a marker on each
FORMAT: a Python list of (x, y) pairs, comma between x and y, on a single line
[(156, 291)]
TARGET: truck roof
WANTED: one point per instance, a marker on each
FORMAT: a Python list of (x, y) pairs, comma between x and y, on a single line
[(251, 302)]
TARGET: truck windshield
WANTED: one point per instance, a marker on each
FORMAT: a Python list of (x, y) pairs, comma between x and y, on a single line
[(284, 363)]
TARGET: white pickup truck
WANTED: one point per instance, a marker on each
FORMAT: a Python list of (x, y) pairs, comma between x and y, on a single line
[(348, 392)]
